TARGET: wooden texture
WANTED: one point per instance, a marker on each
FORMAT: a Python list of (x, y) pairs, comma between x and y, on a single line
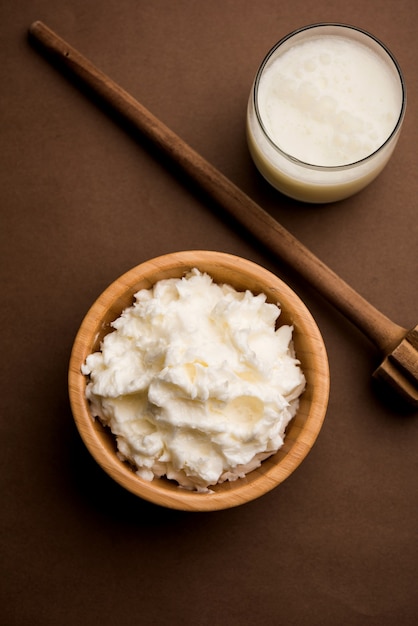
[(384, 333), (301, 432)]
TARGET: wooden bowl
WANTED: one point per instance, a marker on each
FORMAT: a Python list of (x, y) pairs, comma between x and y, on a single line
[(302, 431)]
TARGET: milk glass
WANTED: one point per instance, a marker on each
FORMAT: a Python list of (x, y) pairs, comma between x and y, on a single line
[(325, 112)]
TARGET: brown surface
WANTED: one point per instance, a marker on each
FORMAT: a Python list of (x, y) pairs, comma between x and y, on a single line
[(82, 202)]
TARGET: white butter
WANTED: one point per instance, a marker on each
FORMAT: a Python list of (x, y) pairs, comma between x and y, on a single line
[(195, 382)]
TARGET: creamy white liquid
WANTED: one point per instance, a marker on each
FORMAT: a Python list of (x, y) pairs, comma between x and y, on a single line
[(327, 100), (195, 382)]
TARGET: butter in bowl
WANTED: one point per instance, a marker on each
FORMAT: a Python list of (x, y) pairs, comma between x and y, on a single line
[(199, 380)]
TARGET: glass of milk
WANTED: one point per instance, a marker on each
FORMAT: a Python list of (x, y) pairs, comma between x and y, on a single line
[(325, 112)]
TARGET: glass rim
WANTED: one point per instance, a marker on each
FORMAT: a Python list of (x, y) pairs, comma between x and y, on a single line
[(292, 34)]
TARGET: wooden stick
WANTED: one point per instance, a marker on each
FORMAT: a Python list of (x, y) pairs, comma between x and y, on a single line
[(384, 333)]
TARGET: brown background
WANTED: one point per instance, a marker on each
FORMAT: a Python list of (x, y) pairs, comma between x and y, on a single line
[(81, 203)]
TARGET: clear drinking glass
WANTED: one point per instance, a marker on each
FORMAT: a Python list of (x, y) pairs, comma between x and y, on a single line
[(309, 181)]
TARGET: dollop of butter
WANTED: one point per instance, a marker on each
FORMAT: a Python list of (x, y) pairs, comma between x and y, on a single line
[(195, 381)]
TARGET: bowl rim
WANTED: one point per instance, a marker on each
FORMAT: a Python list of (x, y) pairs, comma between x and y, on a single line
[(91, 431)]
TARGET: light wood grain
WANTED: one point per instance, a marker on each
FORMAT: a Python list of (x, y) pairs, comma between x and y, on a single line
[(241, 274)]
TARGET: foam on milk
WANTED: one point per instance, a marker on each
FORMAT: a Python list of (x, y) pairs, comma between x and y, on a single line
[(329, 101), (325, 112)]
